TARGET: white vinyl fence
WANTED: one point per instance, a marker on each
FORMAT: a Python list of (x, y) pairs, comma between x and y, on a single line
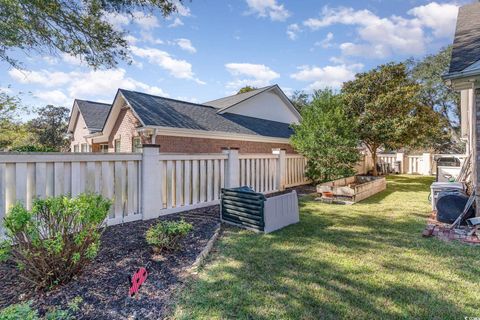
[(295, 170), (144, 185), (259, 171), (24, 177), (387, 158), (415, 164)]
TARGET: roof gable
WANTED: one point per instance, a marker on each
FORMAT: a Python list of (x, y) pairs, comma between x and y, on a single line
[(93, 113), (466, 46), (232, 100)]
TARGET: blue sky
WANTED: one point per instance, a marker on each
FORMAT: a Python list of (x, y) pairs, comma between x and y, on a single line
[(210, 49)]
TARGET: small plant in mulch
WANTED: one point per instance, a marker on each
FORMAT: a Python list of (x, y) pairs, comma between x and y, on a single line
[(24, 311), (167, 235), (54, 240)]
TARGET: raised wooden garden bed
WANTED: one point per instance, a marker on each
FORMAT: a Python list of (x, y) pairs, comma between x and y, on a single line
[(354, 188)]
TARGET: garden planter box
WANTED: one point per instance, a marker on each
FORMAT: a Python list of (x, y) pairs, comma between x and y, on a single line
[(354, 188), (251, 210)]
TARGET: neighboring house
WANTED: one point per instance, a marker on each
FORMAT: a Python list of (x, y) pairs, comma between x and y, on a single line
[(464, 76), (86, 120), (254, 122)]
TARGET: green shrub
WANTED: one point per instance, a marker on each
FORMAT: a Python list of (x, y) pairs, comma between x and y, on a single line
[(55, 239), (166, 235), (24, 311), (19, 311), (33, 148)]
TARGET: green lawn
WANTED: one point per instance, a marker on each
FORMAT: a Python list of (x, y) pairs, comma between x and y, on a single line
[(360, 262)]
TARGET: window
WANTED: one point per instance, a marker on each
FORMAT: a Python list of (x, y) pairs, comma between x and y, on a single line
[(84, 147), (104, 148), (75, 148), (136, 144), (117, 145)]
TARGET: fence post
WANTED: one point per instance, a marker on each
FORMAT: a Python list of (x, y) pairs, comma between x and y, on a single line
[(401, 157), (151, 184), (232, 170), (427, 164), (280, 174)]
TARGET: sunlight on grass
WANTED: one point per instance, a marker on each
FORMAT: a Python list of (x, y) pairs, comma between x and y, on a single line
[(364, 261)]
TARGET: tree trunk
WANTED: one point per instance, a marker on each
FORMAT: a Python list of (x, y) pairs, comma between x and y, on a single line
[(374, 159)]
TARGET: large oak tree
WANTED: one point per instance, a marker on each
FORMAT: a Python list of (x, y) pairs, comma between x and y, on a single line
[(386, 109)]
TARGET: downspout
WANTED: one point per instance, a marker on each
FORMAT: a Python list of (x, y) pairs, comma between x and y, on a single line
[(473, 143)]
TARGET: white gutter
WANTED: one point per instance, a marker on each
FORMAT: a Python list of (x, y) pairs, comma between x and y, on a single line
[(180, 132)]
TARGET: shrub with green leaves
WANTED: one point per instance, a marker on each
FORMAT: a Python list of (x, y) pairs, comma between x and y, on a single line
[(24, 311), (326, 137), (166, 235), (54, 240)]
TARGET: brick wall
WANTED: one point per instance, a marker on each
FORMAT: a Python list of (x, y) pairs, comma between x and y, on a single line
[(203, 145), (126, 125), (79, 132), (124, 129)]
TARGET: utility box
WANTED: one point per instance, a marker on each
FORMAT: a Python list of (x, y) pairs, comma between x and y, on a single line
[(248, 209)]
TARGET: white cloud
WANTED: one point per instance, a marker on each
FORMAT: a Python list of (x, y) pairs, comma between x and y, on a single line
[(177, 22), (67, 58), (181, 9), (148, 37), (177, 68), (340, 15), (326, 42), (186, 44), (117, 20), (145, 21), (268, 8), (328, 76), (55, 97), (43, 77), (131, 40), (293, 30), (394, 34), (257, 75), (91, 84), (50, 60), (440, 18), (352, 49)]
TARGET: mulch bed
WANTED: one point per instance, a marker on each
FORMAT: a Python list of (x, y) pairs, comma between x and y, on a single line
[(103, 284)]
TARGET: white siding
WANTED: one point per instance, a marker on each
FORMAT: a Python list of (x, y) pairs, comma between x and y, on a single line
[(266, 105)]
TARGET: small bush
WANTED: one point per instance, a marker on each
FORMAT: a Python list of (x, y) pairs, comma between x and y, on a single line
[(33, 148), (19, 311), (166, 235), (55, 239), (24, 311)]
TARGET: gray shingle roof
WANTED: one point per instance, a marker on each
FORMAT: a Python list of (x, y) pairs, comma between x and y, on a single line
[(235, 99), (158, 111), (466, 46), (94, 114)]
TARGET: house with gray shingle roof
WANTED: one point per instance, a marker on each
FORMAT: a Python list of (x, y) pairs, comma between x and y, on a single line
[(464, 76), (255, 122)]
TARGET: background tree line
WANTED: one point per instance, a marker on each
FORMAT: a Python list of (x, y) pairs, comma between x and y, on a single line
[(45, 132), (394, 106)]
